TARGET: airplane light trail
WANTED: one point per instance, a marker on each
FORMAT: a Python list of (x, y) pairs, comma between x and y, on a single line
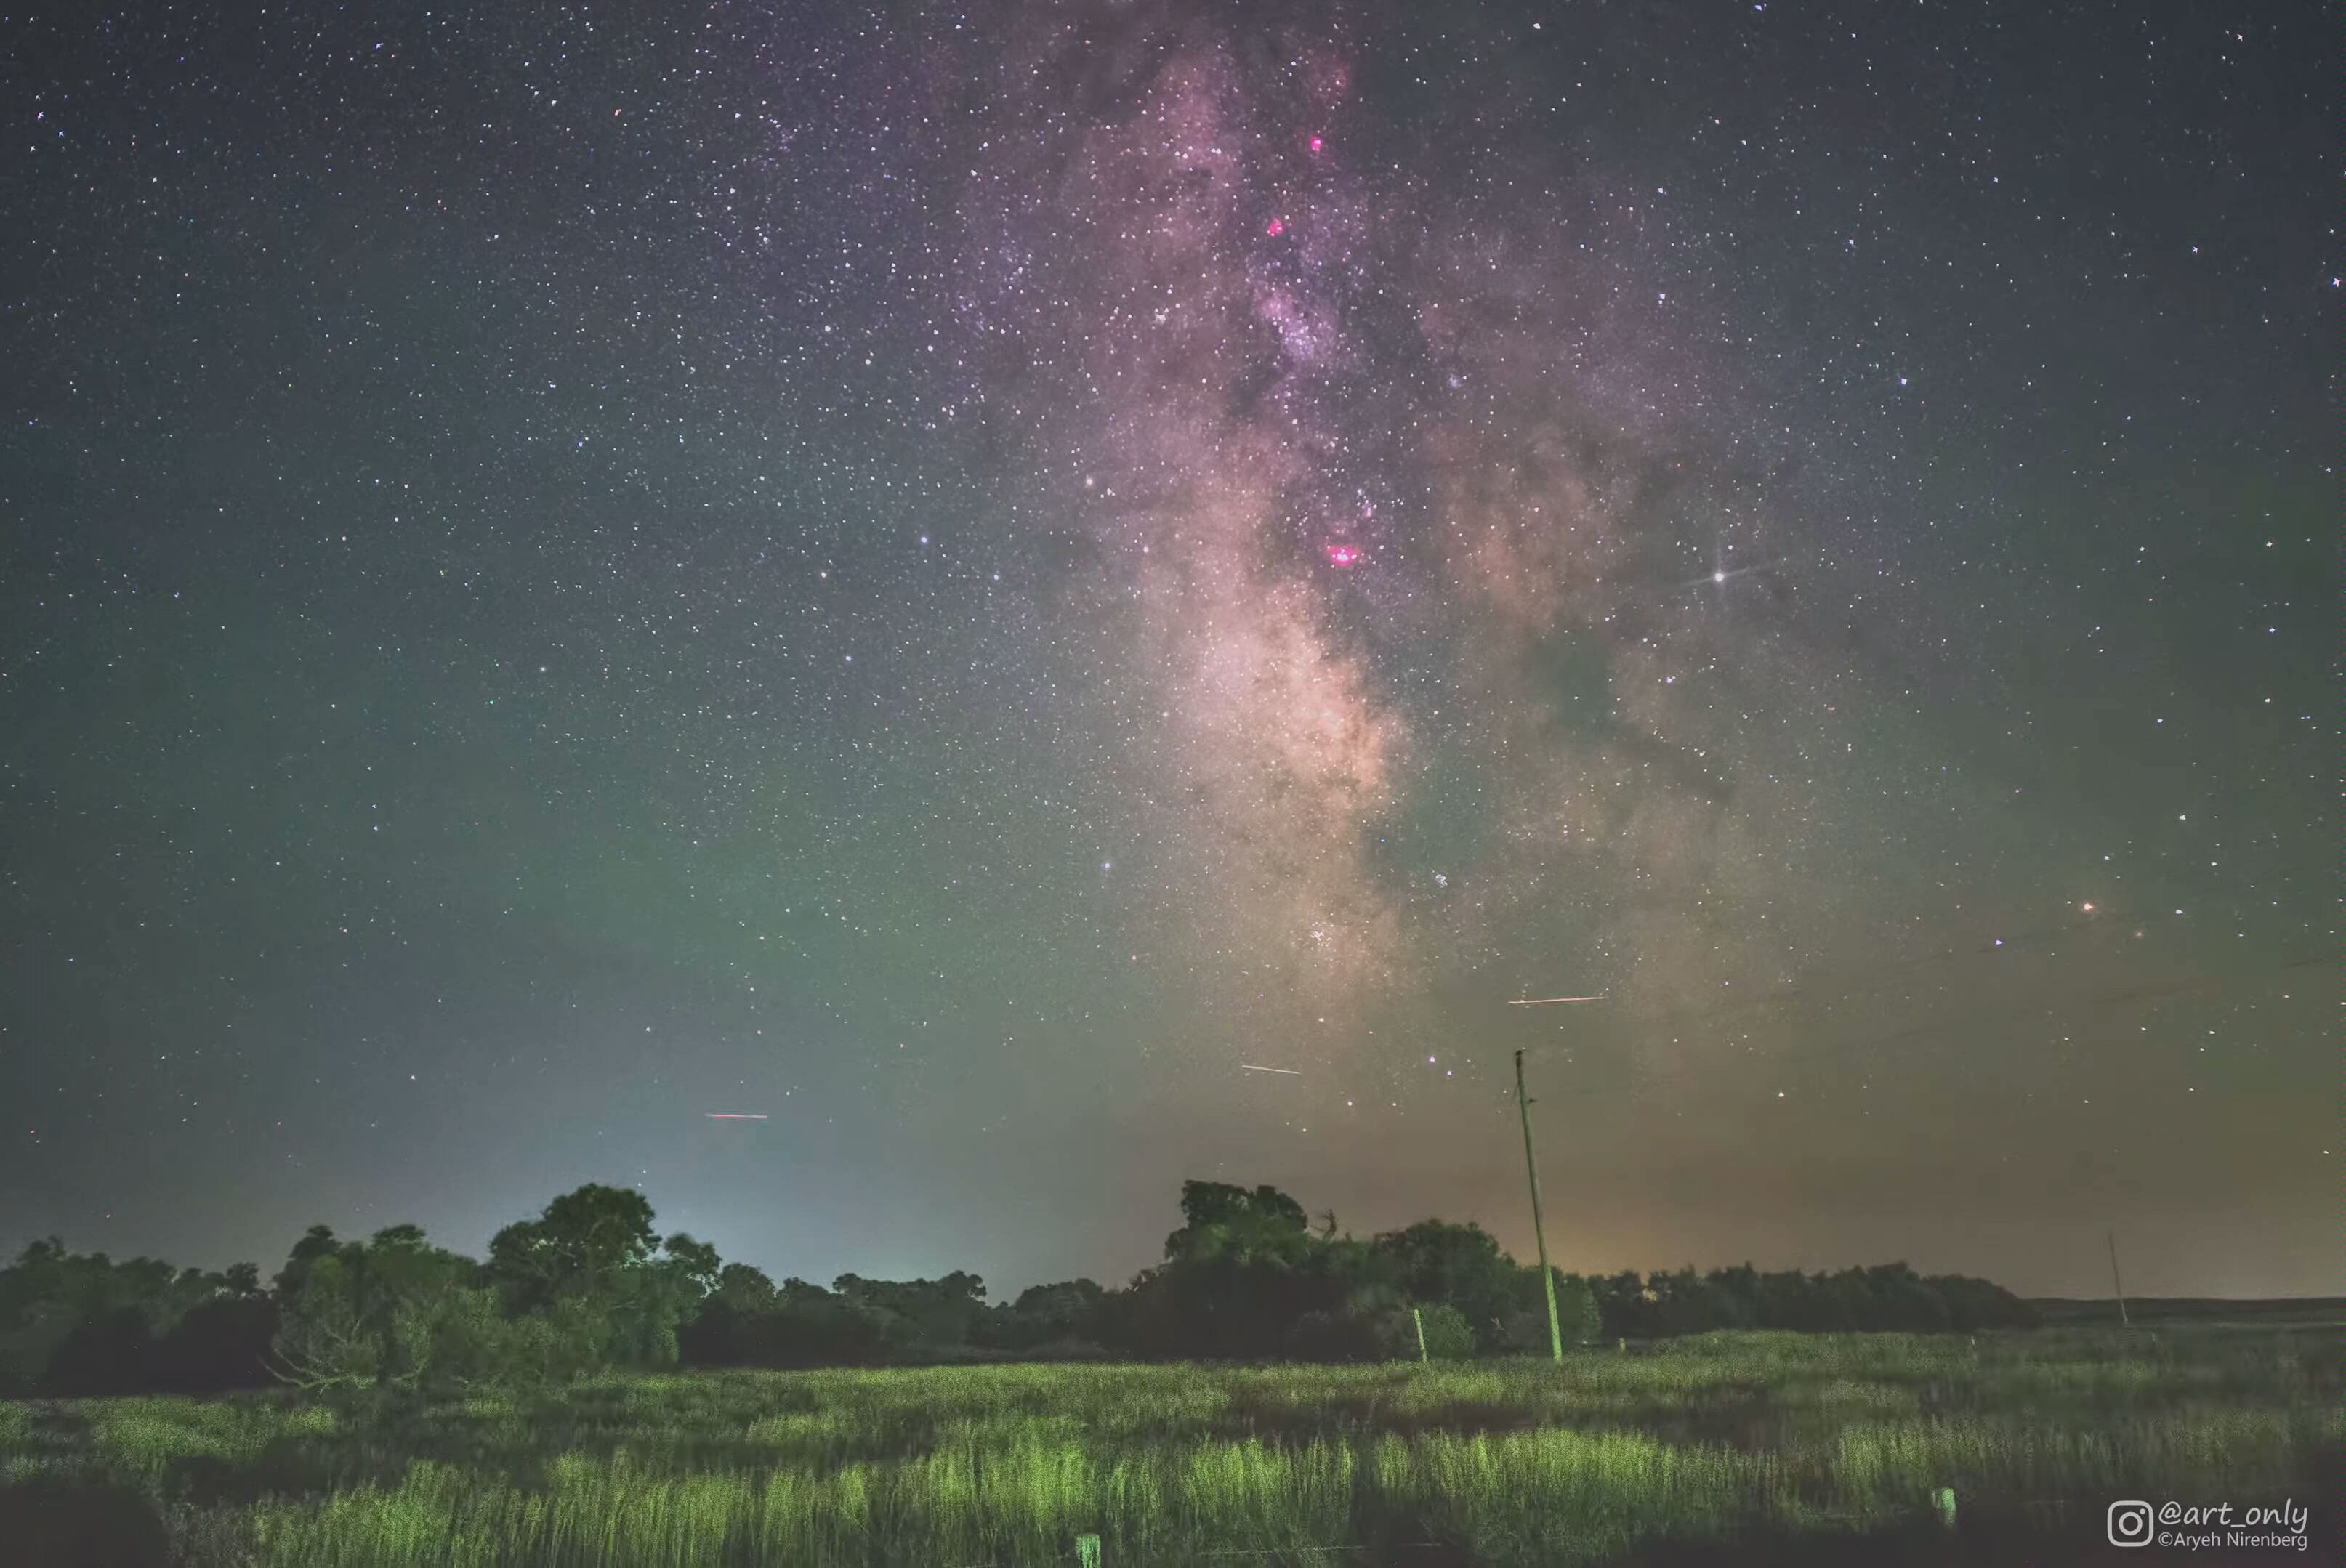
[(734, 1116), (1250, 1067), (1551, 1001)]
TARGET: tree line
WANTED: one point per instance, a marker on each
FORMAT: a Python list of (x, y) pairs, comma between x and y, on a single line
[(589, 1285)]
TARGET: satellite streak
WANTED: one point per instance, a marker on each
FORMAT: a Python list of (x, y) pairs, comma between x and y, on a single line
[(1250, 1067), (734, 1116), (1551, 1001)]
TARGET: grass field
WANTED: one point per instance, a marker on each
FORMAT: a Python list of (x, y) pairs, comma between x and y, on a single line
[(1724, 1438), (2163, 1311)]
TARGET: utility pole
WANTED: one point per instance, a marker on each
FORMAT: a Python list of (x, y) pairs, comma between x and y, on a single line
[(1531, 1168), (2112, 1236), (1539, 1231)]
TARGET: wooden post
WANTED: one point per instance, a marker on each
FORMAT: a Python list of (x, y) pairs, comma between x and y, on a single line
[(1418, 1317), (1539, 1232)]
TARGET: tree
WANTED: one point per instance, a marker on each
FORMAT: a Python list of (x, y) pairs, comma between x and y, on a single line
[(83, 1321), (51, 1288), (1903, 1302), (328, 1339), (1345, 1337), (581, 1240), (592, 1260), (1623, 1304), (695, 1263), (587, 1283), (104, 1354), (1239, 1274), (1975, 1304), (743, 1287), (1686, 1303), (1060, 1311), (751, 1322), (1231, 1224), (1458, 1265), (220, 1344), (647, 1303), (924, 1311), (1448, 1336), (1522, 1329), (469, 1340), (358, 1315), (1062, 1319), (1578, 1319)]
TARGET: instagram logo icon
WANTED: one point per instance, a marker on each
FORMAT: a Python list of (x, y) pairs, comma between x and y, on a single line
[(2130, 1523)]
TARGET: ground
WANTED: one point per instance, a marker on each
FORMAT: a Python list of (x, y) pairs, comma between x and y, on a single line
[(1720, 1449)]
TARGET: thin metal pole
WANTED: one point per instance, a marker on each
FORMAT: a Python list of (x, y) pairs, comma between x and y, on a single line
[(1539, 1230), (2112, 1236)]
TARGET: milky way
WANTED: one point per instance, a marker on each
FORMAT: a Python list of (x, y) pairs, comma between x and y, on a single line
[(1337, 434), (1053, 598)]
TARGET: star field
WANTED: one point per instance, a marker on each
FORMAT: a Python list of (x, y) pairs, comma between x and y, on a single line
[(955, 582)]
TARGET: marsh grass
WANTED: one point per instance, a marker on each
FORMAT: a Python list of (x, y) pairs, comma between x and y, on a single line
[(1710, 1439)]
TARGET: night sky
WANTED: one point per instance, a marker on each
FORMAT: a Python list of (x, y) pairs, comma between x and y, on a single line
[(958, 579)]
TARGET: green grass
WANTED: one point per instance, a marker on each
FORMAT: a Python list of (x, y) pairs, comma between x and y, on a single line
[(1721, 1437)]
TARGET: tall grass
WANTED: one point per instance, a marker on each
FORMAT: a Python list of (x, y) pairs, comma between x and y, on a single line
[(1501, 1462)]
